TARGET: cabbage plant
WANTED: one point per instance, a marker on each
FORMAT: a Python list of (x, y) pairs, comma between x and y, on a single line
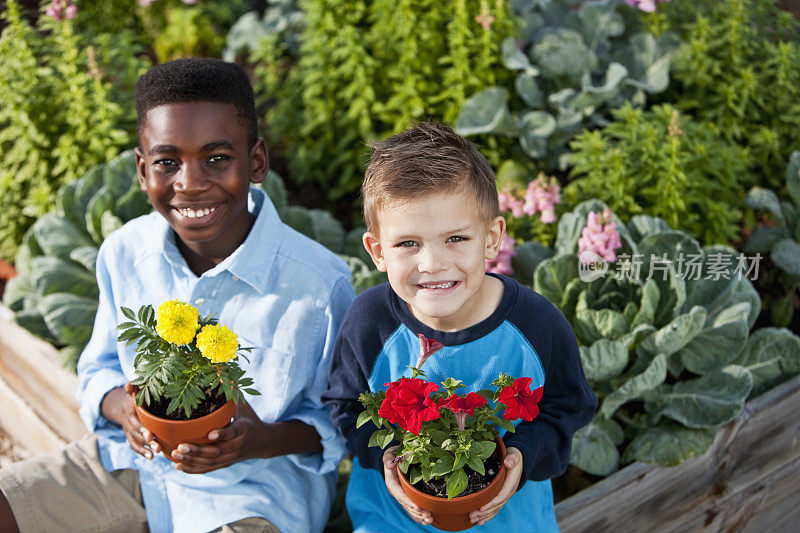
[(671, 357)]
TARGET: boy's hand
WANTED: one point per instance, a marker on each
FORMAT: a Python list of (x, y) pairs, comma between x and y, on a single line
[(235, 442), (119, 407), (247, 437), (513, 463), (417, 514)]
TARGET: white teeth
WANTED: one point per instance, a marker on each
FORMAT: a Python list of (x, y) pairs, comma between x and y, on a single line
[(439, 285), (190, 213)]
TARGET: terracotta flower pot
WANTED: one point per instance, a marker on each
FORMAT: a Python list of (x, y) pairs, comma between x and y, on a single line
[(453, 514), (170, 433)]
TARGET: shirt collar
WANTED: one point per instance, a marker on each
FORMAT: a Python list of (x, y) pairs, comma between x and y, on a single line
[(251, 262)]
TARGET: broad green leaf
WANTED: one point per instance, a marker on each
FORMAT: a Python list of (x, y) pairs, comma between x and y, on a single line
[(648, 306), (592, 325), (771, 355), (676, 334), (483, 449), (704, 402), (102, 201), (632, 339), (276, 190), (33, 321), (715, 347), (552, 276), (759, 198), (668, 444), (51, 275), (604, 359), (109, 223), (527, 257), (786, 256), (476, 464), (570, 226), (635, 387), (528, 89), (487, 112), (763, 239), (594, 447), (456, 483), (69, 317), (57, 237), (513, 57), (731, 293), (363, 418), (444, 465), (793, 177), (642, 226)]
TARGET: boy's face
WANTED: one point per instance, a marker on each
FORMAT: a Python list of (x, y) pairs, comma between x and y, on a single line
[(434, 250), (195, 165)]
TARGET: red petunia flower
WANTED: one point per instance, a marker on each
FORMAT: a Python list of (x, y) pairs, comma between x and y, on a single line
[(520, 401), (408, 403), (427, 347), (462, 406)]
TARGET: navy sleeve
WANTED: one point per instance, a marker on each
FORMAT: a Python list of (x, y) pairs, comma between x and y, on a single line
[(366, 325), (568, 402)]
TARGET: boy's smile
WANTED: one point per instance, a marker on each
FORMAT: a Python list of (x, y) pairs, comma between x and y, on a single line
[(434, 250), (196, 167)]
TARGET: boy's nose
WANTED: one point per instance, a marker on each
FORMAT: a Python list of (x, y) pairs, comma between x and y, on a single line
[(191, 179), (430, 261)]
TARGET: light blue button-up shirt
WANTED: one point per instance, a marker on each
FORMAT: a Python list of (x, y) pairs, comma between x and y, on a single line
[(283, 294)]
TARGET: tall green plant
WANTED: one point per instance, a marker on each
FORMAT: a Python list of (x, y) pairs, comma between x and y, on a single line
[(366, 69), (738, 71), (59, 114), (665, 164)]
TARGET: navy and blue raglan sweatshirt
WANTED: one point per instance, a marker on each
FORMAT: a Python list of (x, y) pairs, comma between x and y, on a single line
[(525, 336)]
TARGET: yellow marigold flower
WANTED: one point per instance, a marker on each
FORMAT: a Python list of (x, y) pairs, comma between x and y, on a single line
[(217, 343), (176, 321)]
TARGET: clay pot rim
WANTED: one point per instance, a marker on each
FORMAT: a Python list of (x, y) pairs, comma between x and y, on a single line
[(168, 421), (458, 499)]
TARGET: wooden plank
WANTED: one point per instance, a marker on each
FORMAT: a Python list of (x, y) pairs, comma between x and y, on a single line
[(30, 367), (24, 426), (762, 443)]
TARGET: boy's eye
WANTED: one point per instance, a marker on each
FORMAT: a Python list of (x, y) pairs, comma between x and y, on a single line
[(405, 244), (165, 163), (457, 238), (219, 158)]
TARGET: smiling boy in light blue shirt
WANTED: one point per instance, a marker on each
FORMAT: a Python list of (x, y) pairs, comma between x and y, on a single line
[(217, 243)]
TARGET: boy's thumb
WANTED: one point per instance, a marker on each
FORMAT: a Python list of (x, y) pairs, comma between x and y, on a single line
[(511, 461)]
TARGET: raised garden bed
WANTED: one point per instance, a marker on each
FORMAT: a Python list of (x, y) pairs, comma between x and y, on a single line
[(746, 481)]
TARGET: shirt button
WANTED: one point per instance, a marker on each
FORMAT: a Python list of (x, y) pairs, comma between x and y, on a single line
[(199, 301)]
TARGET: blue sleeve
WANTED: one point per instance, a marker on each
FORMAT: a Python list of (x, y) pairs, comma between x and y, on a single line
[(354, 353), (568, 402), (99, 368)]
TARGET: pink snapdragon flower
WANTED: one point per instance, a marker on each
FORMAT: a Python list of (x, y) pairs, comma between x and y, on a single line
[(502, 263), (645, 5), (509, 202), (59, 8), (541, 196), (600, 236)]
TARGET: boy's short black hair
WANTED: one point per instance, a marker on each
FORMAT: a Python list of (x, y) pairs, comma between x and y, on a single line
[(427, 158), (197, 80)]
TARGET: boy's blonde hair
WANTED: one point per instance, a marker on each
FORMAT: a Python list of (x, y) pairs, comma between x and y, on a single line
[(426, 159)]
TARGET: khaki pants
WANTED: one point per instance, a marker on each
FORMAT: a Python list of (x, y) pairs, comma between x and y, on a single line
[(70, 491)]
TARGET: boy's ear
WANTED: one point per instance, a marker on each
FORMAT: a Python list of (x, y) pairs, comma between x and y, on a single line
[(140, 165), (259, 161), (374, 249), (494, 237)]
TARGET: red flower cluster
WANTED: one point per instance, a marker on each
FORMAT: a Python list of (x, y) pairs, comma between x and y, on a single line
[(465, 404), (408, 403), (520, 400)]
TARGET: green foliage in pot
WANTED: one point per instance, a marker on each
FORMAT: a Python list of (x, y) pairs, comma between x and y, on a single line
[(63, 111), (781, 241), (365, 70), (574, 63), (738, 72), (662, 163), (666, 346), (55, 292)]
